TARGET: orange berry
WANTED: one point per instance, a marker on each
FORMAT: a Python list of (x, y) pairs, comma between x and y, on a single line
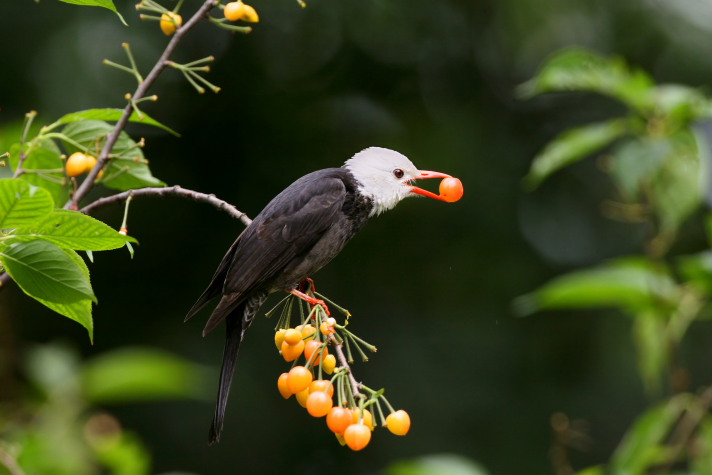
[(299, 379), (338, 419), (367, 418), (279, 338), (283, 387), (233, 11), (308, 331), (291, 353), (302, 398), (167, 26), (321, 385), (76, 164), (319, 403), (451, 189), (398, 422), (249, 14), (357, 436), (309, 350), (328, 364), (292, 337), (326, 329)]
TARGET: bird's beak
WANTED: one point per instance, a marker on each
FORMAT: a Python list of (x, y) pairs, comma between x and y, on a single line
[(427, 174)]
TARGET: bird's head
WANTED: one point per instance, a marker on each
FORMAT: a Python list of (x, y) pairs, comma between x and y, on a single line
[(386, 175)]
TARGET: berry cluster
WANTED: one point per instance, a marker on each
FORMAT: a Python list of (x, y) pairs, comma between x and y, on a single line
[(79, 163), (348, 418)]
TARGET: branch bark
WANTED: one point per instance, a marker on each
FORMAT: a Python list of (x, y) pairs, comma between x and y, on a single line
[(169, 191), (6, 280), (355, 386), (112, 137)]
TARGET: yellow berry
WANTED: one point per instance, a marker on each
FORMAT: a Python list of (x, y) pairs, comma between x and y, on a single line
[(329, 364), (279, 338), (233, 11), (302, 397), (292, 337), (249, 14), (168, 27), (76, 164), (398, 422), (307, 331), (91, 161)]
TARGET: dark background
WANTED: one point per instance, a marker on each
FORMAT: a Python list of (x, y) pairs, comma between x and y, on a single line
[(429, 283)]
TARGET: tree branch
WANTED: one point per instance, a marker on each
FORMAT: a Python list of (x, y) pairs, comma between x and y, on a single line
[(6, 280), (113, 136), (169, 191), (342, 360)]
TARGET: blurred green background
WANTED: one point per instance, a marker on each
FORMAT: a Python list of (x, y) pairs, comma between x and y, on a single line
[(429, 283)]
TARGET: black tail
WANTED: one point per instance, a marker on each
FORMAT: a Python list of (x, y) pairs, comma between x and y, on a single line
[(236, 324), (233, 338)]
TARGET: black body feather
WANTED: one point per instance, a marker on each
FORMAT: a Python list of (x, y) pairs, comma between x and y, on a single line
[(296, 234)]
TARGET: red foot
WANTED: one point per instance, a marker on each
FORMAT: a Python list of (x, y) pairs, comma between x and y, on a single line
[(305, 284), (310, 300)]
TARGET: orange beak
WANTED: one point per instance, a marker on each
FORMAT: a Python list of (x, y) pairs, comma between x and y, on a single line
[(428, 174)]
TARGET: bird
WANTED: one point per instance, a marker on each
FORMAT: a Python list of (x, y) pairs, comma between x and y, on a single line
[(296, 234)]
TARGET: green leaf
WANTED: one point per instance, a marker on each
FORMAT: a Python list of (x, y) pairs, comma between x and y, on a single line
[(630, 284), (97, 3), (635, 161), (112, 115), (696, 269), (595, 470), (668, 169), (652, 344), (44, 271), (22, 203), (679, 103), (438, 464), (72, 230), (122, 453), (701, 462), (121, 174), (79, 311), (137, 374), (45, 157), (677, 190), (641, 446), (578, 69), (571, 146)]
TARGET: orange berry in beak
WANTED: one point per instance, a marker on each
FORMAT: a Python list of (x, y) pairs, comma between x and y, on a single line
[(451, 189)]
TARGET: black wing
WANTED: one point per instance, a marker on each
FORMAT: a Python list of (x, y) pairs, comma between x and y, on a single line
[(287, 228), (216, 285)]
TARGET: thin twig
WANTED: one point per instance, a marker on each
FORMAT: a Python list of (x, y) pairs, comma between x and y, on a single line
[(169, 191), (10, 463), (113, 136), (5, 278), (342, 359), (685, 428)]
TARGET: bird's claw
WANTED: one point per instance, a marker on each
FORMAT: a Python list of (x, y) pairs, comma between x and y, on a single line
[(310, 300), (306, 285)]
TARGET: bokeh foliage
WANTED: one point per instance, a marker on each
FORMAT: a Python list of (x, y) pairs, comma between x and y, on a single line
[(659, 164)]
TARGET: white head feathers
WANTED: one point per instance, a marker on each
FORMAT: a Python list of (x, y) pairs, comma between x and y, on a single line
[(384, 176)]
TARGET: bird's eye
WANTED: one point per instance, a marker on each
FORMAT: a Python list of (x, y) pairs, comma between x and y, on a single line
[(398, 173)]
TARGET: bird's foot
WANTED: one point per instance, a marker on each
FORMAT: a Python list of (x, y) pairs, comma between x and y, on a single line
[(310, 300), (306, 285)]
